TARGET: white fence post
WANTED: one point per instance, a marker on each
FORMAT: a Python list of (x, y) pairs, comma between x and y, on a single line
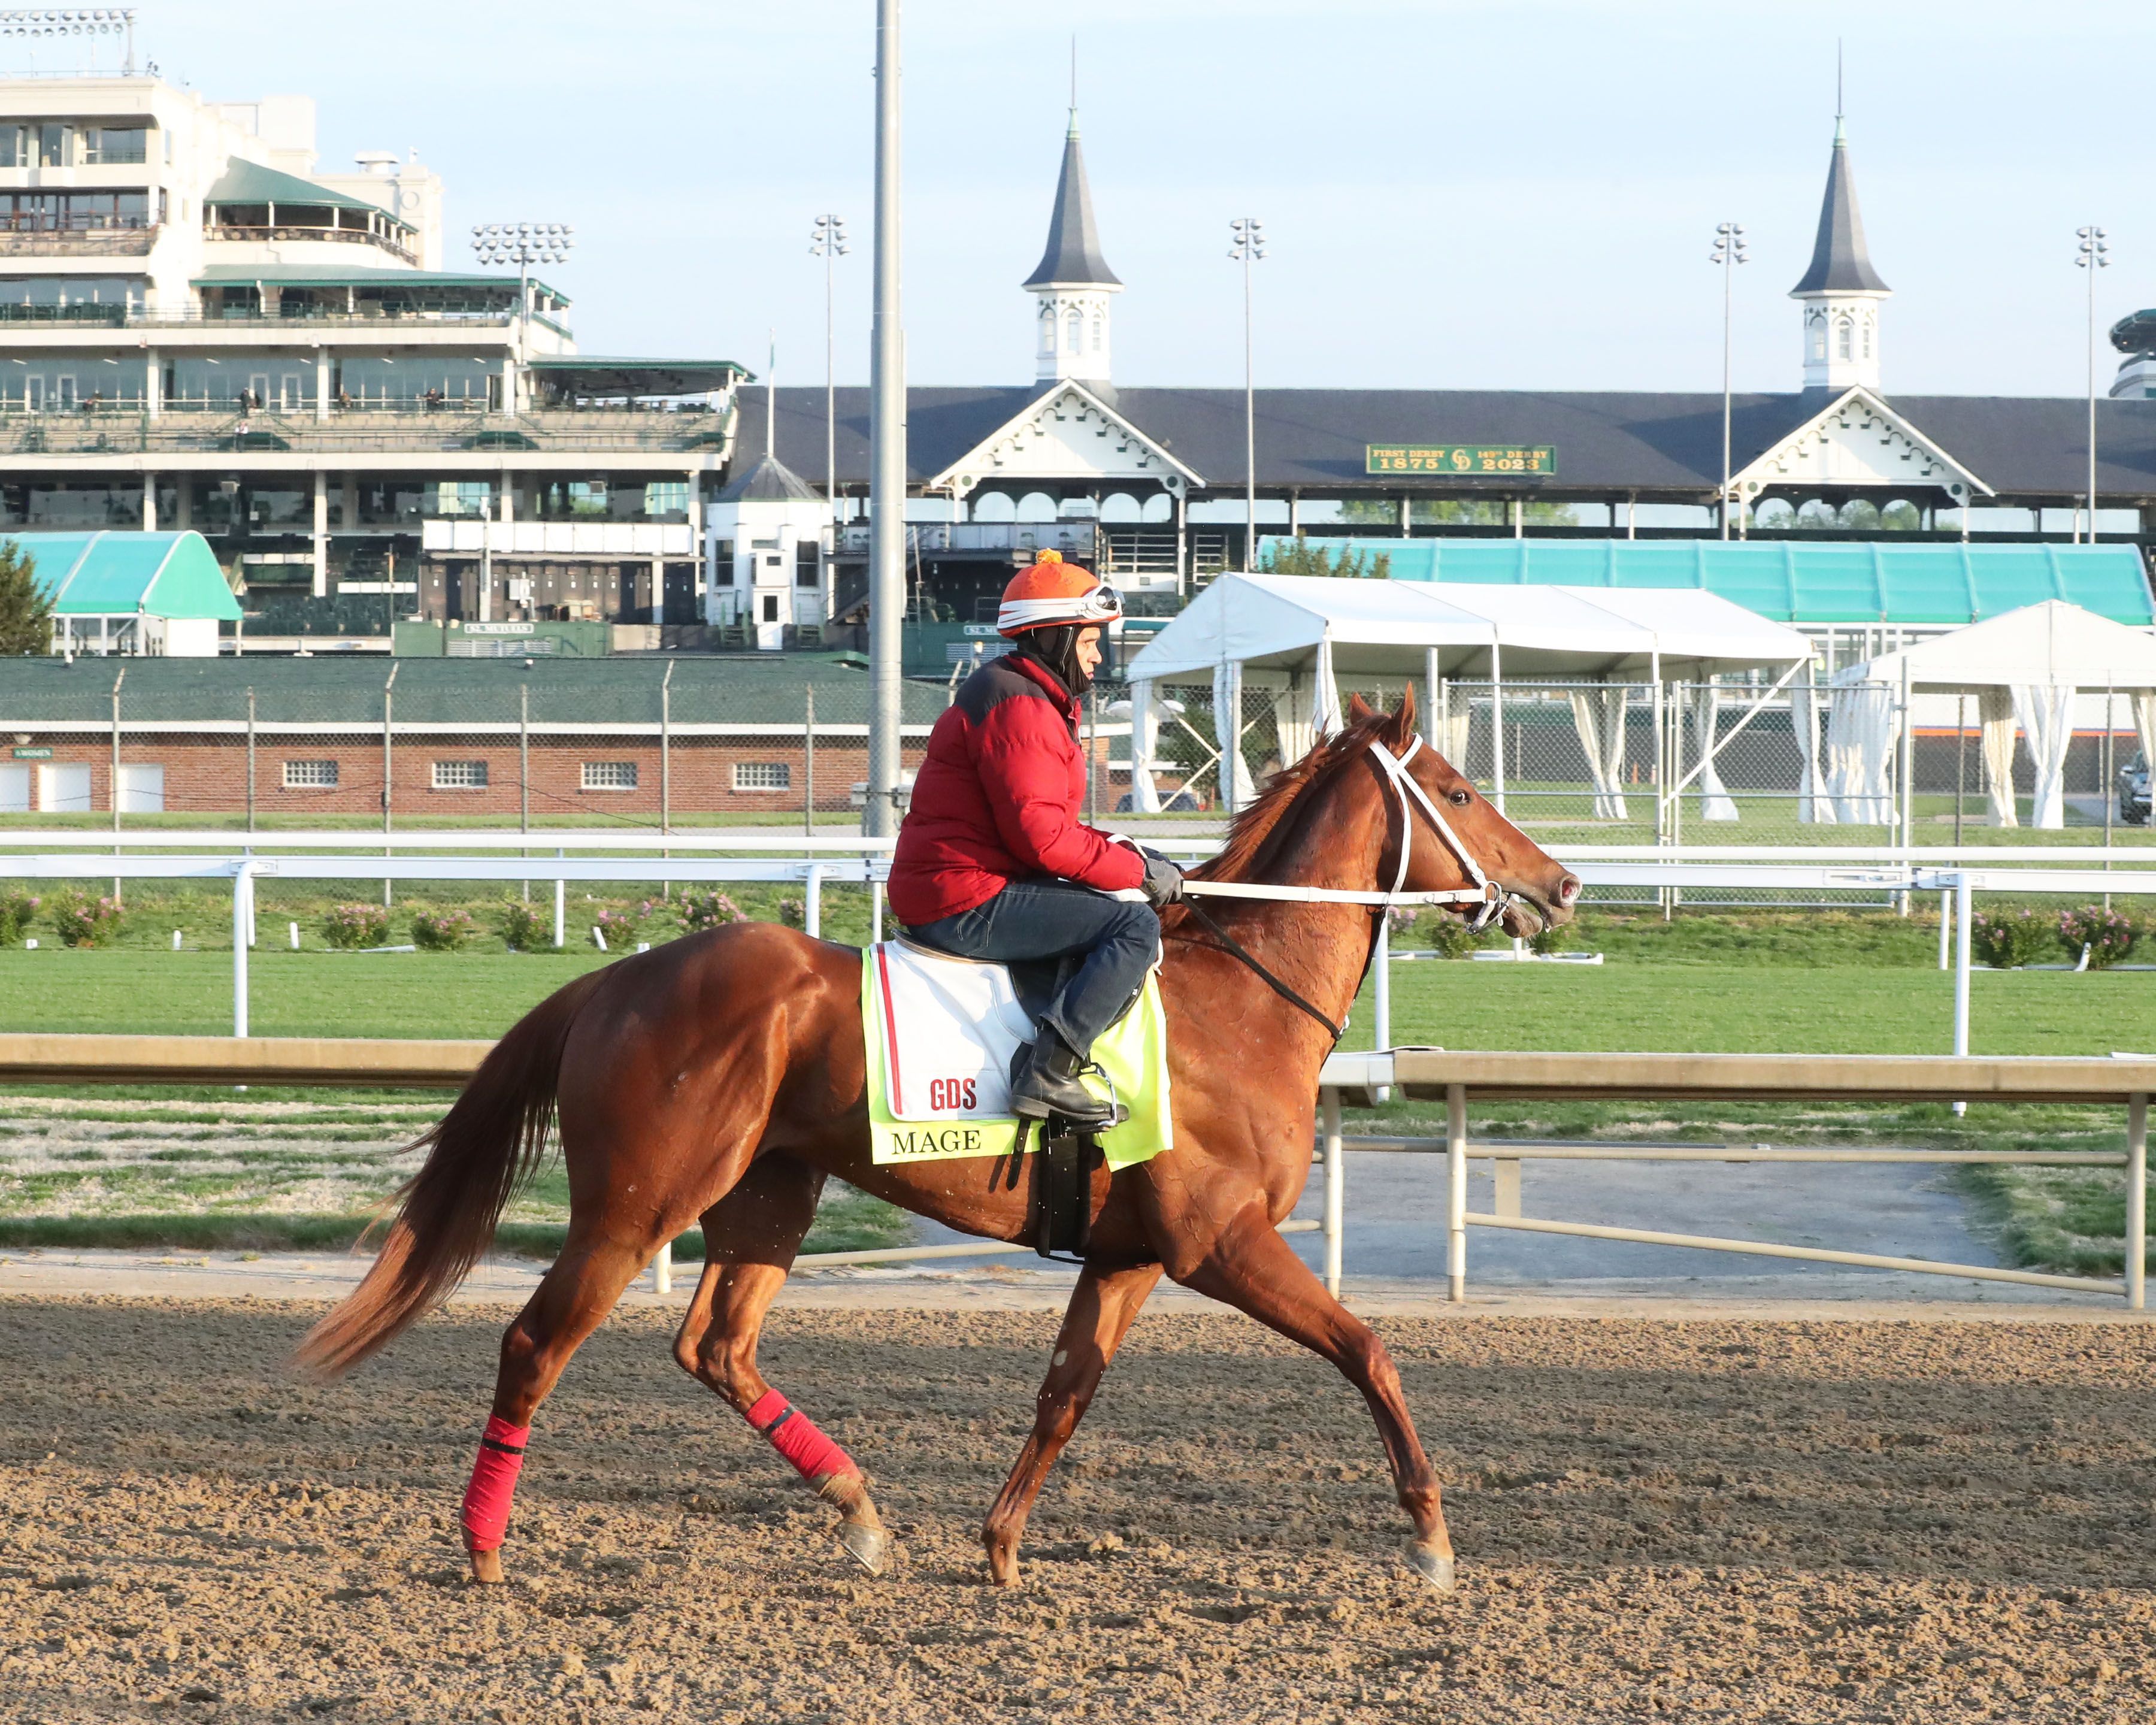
[(2136, 1201), (1455, 1201), (243, 931), (875, 911), (560, 907), (1336, 1188), (662, 1270), (1961, 972), (812, 902), (1946, 924)]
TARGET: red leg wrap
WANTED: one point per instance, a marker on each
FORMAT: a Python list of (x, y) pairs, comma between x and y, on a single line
[(494, 1484), (794, 1436)]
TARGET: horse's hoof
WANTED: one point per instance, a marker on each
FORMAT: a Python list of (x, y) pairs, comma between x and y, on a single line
[(869, 1547), (487, 1568), (1437, 1571)]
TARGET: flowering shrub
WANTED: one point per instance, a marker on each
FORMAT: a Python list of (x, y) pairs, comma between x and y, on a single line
[(700, 910), (17, 908), (618, 927), (352, 926), (794, 913), (442, 931), (523, 929), (1552, 939), (82, 921), (2007, 939), (1451, 936), (2109, 936), (1400, 920)]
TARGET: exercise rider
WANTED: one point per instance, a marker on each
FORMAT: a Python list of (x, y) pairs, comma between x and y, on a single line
[(993, 861)]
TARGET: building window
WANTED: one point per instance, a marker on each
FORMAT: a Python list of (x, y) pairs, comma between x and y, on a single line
[(1099, 325), (609, 775), (1843, 336), (1867, 338), (804, 563), (771, 607), (112, 146), (460, 775), (310, 775), (1074, 331), (762, 775)]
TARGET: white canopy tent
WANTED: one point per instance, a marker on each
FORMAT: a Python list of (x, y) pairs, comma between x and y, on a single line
[(2025, 667), (1295, 636)]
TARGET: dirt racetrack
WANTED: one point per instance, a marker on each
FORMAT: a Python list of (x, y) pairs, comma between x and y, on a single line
[(1698, 1519)]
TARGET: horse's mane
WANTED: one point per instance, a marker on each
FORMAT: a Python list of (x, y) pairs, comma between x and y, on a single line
[(1252, 833)]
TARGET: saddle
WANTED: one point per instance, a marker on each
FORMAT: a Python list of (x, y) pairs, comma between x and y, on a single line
[(1059, 1208)]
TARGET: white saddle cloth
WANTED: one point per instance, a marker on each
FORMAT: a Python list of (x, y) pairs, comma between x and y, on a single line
[(948, 1029)]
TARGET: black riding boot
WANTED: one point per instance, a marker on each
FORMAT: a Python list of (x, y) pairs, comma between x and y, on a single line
[(1045, 1081)]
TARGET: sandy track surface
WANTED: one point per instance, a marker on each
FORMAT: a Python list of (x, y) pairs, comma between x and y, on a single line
[(1716, 1520)]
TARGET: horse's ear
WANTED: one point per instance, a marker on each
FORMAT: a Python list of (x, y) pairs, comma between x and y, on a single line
[(1358, 710), (1404, 717)]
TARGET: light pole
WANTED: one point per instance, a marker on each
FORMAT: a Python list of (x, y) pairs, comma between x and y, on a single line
[(829, 242), (886, 452), (2093, 255), (1728, 254), (1246, 248), (522, 244)]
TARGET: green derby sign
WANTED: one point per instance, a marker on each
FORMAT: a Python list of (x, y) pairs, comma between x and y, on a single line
[(1460, 460)]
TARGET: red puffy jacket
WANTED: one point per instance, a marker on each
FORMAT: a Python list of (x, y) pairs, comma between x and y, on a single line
[(997, 799)]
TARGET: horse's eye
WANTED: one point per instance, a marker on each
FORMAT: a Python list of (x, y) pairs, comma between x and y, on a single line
[(1459, 799)]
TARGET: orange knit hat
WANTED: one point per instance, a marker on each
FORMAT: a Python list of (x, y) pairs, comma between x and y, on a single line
[(1052, 592)]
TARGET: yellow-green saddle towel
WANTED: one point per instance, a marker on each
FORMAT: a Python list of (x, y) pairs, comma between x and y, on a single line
[(941, 1032)]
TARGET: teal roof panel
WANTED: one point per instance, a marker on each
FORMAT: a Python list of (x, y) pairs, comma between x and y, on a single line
[(113, 574), (1871, 581)]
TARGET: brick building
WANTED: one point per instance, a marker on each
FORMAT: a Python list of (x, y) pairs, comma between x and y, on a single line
[(562, 739)]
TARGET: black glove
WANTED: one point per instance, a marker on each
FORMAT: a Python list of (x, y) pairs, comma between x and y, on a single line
[(1163, 885)]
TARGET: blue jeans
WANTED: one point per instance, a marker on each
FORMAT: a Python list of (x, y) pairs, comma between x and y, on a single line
[(1119, 941)]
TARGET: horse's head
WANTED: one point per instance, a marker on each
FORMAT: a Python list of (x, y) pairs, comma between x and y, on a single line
[(1541, 890)]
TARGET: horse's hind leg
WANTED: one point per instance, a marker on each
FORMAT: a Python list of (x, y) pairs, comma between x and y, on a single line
[(1251, 1268), (1102, 1308), (571, 1301), (750, 1238)]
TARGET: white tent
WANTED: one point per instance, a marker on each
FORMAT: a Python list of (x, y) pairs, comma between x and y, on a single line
[(1294, 636), (2024, 667)]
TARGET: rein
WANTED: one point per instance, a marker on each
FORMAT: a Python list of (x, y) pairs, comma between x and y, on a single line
[(1485, 893)]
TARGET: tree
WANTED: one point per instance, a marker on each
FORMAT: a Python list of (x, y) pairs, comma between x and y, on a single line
[(1458, 511), (1303, 558), (26, 610)]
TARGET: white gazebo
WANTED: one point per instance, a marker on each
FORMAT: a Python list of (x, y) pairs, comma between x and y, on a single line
[(2025, 667), (1295, 636)]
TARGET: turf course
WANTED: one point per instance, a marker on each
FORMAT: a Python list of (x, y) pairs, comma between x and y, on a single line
[(1726, 1005)]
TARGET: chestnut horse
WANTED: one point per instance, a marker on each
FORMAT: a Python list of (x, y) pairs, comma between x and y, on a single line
[(721, 1077)]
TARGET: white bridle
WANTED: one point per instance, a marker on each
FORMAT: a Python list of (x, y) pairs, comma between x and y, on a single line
[(1485, 892)]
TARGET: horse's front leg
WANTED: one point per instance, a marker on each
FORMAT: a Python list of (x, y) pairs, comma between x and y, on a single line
[(1251, 1268), (1102, 1307)]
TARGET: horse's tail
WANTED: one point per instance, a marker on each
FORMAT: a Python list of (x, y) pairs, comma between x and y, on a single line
[(480, 1155)]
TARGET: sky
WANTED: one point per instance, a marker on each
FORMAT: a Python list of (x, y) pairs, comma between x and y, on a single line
[(1493, 195)]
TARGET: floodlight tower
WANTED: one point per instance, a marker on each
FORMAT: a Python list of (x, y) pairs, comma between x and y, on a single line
[(829, 242), (522, 244), (1728, 254), (2092, 255), (1248, 248)]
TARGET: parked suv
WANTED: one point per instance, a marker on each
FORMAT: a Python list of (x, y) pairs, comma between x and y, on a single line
[(2133, 792)]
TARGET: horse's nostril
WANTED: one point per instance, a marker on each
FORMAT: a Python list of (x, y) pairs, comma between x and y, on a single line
[(1568, 889)]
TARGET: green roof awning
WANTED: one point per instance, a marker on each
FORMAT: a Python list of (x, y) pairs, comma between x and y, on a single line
[(340, 275), (250, 182), (1841, 581), (109, 574)]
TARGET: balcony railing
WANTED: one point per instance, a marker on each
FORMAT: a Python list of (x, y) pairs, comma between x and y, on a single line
[(283, 233), (984, 538), (115, 242), (124, 428)]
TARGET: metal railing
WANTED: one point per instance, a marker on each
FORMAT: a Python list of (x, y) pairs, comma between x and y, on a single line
[(1440, 1073)]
